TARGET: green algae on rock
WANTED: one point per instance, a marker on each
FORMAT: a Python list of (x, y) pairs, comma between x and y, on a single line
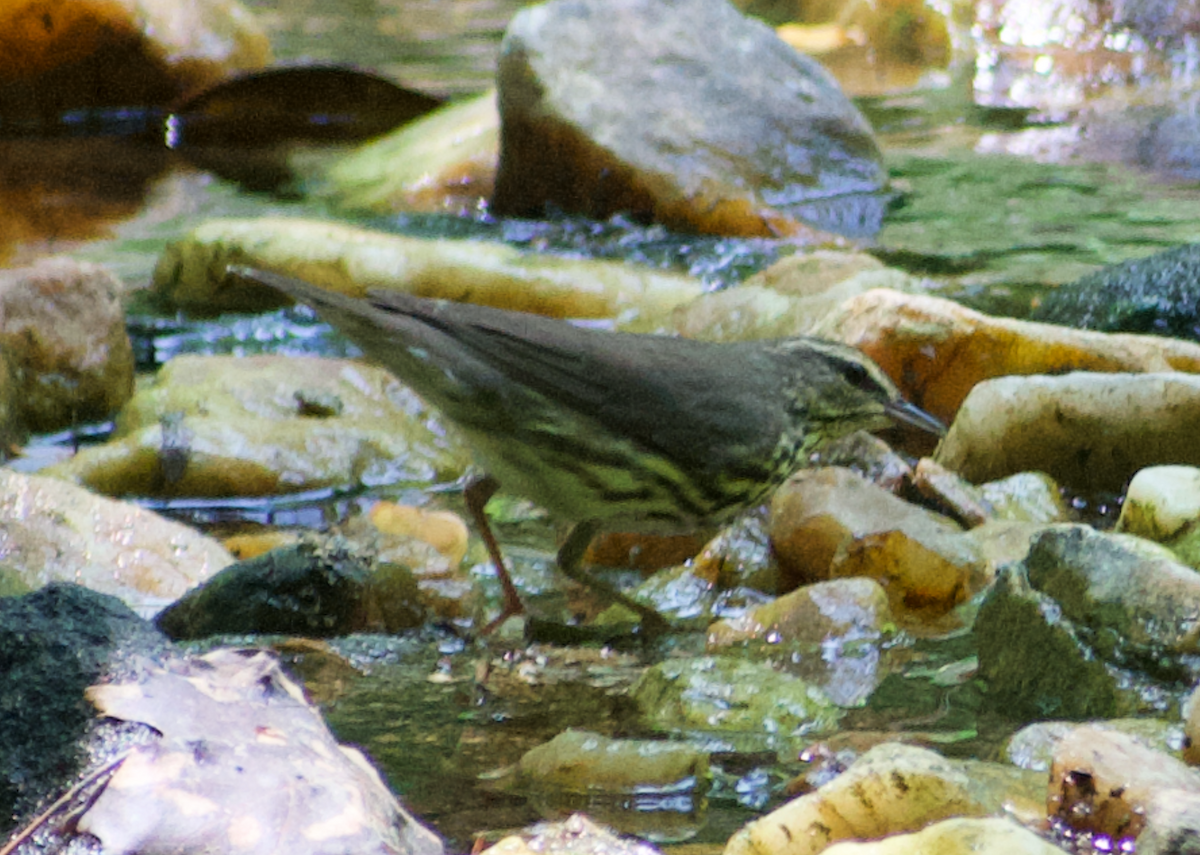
[(209, 426), (1157, 295)]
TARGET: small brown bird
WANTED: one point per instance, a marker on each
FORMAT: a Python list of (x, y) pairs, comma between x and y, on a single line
[(614, 431)]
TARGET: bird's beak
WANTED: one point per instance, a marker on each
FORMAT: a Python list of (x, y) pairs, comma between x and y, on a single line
[(905, 413)]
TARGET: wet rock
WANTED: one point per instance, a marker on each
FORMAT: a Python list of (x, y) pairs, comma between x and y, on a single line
[(905, 35), (1087, 60), (938, 351), (740, 556), (1003, 542), (1172, 825), (844, 609), (443, 530), (1031, 497), (574, 836), (1191, 712), (637, 107), (309, 589), (55, 531), (956, 837), (443, 163), (13, 430), (1103, 781), (618, 778), (952, 494), (870, 457), (748, 703), (830, 633), (645, 552), (253, 544), (54, 643), (241, 757), (1091, 431), (1163, 504), (62, 330), (831, 523), (1158, 295), (190, 273), (808, 274), (1137, 610), (244, 426), (579, 761), (58, 56), (1035, 663), (426, 550), (891, 789), (1033, 746), (678, 593), (778, 307)]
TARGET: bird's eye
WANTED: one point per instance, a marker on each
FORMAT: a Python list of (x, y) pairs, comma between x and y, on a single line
[(858, 376)]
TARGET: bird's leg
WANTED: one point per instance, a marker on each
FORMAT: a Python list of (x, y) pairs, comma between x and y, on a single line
[(570, 562), (476, 495)]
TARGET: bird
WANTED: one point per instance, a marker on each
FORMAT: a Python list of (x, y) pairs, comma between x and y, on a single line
[(612, 431)]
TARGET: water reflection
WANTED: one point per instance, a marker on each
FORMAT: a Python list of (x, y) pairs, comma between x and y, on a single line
[(443, 48), (54, 192)]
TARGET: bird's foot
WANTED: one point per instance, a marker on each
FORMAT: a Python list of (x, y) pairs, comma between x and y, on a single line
[(511, 607)]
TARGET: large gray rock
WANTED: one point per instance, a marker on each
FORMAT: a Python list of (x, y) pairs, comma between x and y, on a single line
[(681, 111)]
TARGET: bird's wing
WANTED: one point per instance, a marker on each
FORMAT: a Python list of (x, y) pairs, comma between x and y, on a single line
[(695, 402)]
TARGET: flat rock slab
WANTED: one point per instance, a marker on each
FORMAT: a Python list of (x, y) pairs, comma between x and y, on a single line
[(245, 765)]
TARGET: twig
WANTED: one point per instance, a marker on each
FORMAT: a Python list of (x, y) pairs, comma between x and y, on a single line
[(91, 778)]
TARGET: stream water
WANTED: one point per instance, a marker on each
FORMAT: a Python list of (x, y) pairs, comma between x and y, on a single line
[(998, 203)]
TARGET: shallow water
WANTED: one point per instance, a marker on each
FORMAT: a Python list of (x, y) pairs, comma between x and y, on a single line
[(995, 206)]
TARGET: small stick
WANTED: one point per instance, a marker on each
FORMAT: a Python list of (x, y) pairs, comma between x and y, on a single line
[(40, 820)]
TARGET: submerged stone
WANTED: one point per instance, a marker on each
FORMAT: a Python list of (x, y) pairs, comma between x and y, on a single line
[(744, 701), (1158, 295), (584, 762)]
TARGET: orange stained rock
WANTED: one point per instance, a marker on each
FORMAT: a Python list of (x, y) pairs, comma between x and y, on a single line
[(39, 35), (581, 176), (200, 41), (247, 546), (937, 350), (443, 530)]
